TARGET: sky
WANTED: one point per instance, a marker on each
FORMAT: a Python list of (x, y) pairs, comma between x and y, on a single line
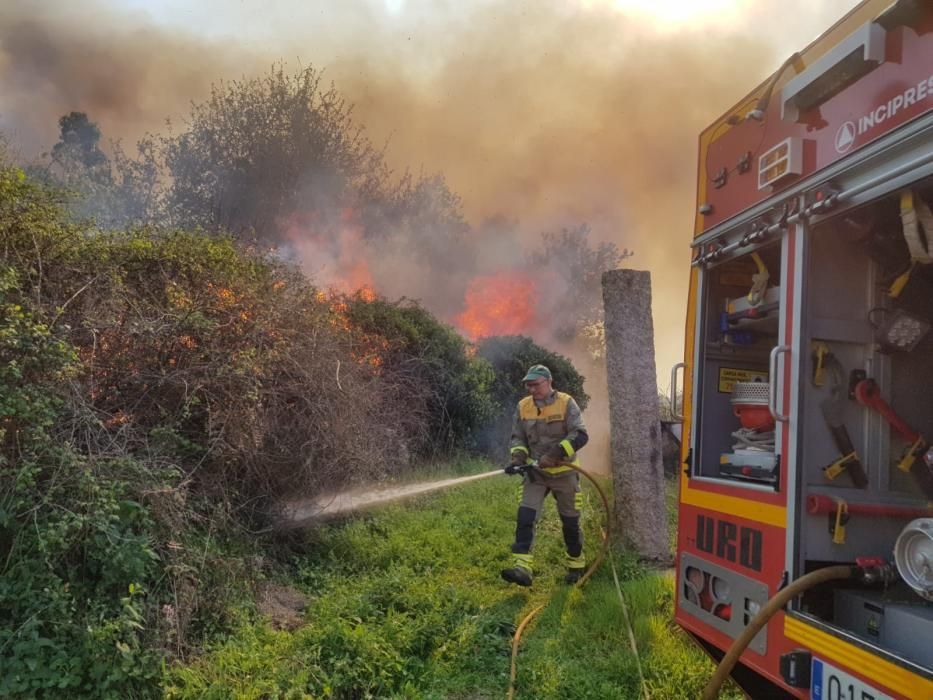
[(544, 113)]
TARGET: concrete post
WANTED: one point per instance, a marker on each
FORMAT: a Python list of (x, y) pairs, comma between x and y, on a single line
[(634, 420)]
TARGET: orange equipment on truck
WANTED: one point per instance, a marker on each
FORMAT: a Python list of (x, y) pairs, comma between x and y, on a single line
[(811, 303)]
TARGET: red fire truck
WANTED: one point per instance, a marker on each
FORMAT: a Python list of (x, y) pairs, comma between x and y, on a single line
[(808, 375)]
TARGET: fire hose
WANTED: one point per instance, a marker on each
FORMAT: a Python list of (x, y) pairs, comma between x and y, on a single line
[(604, 549), (868, 568)]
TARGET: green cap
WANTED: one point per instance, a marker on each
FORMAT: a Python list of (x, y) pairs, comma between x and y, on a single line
[(537, 372)]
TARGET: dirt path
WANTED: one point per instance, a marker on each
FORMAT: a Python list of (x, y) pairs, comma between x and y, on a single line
[(301, 512)]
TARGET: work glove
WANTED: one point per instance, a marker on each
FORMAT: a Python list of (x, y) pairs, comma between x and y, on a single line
[(519, 460), (549, 460)]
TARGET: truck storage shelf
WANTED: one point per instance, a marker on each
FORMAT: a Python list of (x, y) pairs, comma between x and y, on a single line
[(740, 353), (762, 324), (741, 314)]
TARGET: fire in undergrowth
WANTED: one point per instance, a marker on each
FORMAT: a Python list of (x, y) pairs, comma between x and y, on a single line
[(331, 249), (500, 304), (334, 252), (368, 348)]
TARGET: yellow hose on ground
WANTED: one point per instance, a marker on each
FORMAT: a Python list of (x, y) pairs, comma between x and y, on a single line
[(777, 602), (583, 579), (515, 640)]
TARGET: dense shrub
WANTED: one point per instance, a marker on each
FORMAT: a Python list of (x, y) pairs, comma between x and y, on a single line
[(454, 400), (151, 386), (203, 356), (79, 561), (76, 557), (159, 388), (512, 355)]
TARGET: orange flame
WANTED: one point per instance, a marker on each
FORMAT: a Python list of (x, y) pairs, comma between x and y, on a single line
[(333, 252), (368, 349), (502, 304)]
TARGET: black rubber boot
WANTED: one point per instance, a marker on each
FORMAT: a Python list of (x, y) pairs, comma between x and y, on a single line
[(524, 529), (573, 538), (517, 575), (573, 575)]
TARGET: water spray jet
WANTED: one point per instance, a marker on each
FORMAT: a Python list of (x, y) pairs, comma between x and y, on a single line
[(346, 502)]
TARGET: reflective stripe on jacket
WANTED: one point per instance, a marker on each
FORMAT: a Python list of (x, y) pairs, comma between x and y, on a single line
[(538, 429)]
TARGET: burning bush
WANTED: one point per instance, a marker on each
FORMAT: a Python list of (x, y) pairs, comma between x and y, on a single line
[(445, 388), (217, 361), (160, 384), (159, 389), (280, 159)]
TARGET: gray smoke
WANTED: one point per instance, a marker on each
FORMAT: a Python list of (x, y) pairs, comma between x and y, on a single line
[(542, 114)]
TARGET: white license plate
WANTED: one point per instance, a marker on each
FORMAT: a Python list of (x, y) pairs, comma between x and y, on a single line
[(829, 683)]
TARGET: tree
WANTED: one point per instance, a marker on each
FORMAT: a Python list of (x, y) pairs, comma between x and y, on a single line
[(113, 192), (570, 258), (79, 144), (417, 224), (260, 149)]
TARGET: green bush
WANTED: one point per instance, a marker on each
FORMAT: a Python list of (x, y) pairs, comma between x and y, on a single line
[(97, 435), (75, 549), (446, 387), (73, 597)]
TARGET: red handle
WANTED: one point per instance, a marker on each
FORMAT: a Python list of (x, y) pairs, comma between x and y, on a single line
[(868, 394), (817, 505), (865, 562)]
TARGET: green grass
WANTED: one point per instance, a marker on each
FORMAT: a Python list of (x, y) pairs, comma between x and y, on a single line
[(407, 602)]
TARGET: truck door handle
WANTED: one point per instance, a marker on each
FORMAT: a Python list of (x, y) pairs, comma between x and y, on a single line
[(776, 351), (673, 395)]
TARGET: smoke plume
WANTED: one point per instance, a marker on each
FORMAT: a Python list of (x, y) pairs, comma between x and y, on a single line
[(539, 115)]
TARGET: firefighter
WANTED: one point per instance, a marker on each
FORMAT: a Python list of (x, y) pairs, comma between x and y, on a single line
[(548, 428)]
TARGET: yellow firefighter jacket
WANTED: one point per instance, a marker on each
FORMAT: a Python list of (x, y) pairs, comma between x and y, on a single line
[(552, 426)]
